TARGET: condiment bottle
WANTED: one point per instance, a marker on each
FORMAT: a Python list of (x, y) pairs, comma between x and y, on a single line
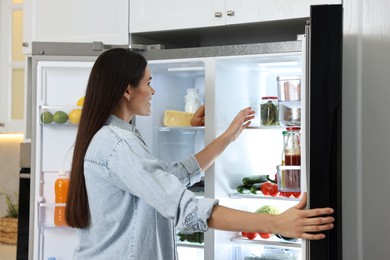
[(292, 149), (291, 178), (192, 100), (284, 133), (269, 110), (61, 187)]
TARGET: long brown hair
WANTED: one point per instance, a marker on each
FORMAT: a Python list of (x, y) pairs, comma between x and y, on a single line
[(110, 76)]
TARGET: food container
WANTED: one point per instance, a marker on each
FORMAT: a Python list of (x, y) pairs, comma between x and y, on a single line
[(290, 113), (289, 88), (289, 178), (269, 110)]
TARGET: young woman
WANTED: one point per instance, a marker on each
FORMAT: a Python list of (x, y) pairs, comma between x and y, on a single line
[(126, 203)]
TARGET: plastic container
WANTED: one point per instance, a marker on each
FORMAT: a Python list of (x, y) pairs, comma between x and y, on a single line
[(192, 100), (269, 110), (61, 188), (289, 88), (290, 113)]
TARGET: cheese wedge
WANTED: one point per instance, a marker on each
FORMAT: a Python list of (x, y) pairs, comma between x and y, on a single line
[(177, 118)]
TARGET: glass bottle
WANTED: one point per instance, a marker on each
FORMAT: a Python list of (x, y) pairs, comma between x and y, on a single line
[(291, 178), (292, 149), (284, 133)]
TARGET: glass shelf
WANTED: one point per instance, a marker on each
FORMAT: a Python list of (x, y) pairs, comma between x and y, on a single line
[(272, 241), (180, 128), (249, 195)]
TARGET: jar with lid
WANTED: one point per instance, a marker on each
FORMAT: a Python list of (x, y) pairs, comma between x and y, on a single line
[(192, 100), (292, 149), (269, 111)]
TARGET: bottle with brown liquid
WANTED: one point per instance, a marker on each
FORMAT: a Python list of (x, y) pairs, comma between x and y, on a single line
[(292, 157)]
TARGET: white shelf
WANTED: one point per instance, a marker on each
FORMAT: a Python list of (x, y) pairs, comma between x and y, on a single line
[(273, 241)]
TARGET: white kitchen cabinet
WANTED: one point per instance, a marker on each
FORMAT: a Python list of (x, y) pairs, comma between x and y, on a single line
[(76, 21), (12, 90), (149, 15)]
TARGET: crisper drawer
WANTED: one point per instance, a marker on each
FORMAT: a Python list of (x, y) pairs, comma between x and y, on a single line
[(256, 251)]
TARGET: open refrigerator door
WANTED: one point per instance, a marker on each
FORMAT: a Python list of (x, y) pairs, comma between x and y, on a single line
[(59, 85)]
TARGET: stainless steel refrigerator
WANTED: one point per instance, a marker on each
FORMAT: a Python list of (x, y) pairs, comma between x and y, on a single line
[(228, 78)]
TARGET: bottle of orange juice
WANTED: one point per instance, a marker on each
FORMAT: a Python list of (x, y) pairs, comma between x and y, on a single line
[(61, 187)]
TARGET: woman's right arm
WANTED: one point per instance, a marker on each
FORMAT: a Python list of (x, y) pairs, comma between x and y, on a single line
[(295, 222)]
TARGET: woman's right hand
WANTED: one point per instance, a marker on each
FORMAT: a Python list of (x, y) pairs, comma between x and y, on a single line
[(300, 223)]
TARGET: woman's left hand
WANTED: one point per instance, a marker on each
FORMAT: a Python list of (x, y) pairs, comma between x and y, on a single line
[(239, 123)]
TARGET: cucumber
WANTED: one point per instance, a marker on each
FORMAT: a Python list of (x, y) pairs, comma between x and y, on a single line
[(243, 188), (255, 188), (250, 180)]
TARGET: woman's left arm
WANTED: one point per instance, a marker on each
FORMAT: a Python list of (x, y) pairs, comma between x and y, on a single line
[(209, 154)]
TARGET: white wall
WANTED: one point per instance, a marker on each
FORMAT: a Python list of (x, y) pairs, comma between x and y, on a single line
[(9, 168), (366, 123)]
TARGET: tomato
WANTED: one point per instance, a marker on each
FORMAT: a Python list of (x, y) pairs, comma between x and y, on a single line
[(265, 235), (249, 235), (296, 194), (274, 190), (265, 187), (288, 194)]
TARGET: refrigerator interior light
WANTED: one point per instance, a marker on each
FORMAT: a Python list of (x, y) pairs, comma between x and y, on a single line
[(283, 63), (195, 68)]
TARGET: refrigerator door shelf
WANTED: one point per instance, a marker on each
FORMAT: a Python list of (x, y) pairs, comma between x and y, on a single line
[(46, 215)]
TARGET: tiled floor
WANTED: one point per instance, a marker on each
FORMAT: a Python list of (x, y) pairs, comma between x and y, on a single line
[(7, 252)]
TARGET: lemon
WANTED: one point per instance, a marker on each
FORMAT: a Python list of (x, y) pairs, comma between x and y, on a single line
[(80, 102), (60, 117), (74, 116), (46, 117)]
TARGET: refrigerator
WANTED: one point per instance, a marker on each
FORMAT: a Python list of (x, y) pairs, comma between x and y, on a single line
[(228, 78)]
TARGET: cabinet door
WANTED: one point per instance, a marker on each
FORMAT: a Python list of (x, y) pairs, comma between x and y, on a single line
[(77, 21), (150, 15), (269, 10)]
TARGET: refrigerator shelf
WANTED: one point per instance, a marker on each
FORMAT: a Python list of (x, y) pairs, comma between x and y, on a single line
[(180, 128), (237, 195), (189, 244), (273, 241)]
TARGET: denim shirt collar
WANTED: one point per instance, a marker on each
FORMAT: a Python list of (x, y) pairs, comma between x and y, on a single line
[(116, 121)]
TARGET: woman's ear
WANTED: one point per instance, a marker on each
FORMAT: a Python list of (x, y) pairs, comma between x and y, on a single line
[(127, 94)]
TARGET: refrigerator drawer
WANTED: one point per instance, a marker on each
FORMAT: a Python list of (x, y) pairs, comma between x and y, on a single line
[(256, 249)]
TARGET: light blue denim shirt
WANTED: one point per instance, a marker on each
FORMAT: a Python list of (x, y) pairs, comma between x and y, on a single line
[(136, 201)]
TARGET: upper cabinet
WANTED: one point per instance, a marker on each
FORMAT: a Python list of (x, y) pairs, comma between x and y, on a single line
[(76, 21), (149, 15)]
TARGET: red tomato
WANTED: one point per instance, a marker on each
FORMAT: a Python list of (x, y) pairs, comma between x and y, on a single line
[(265, 187), (296, 194), (265, 235), (249, 235), (274, 190), (288, 194)]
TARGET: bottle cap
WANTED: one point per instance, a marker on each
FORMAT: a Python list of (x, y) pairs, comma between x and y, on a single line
[(63, 174)]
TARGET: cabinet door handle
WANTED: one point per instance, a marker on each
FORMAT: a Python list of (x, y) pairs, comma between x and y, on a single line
[(230, 13), (218, 14)]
